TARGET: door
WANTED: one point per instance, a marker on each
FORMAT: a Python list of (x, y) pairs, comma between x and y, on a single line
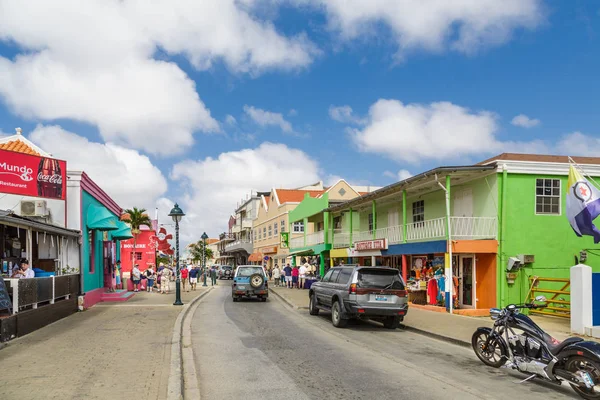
[(467, 282), (463, 203)]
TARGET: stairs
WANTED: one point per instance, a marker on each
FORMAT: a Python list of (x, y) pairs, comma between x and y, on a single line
[(119, 295)]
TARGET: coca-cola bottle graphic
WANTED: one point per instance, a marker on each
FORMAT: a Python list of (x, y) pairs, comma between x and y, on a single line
[(49, 178)]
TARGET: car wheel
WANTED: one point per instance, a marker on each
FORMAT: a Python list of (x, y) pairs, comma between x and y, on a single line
[(336, 316), (256, 280), (392, 322), (312, 305), (263, 299), (235, 299)]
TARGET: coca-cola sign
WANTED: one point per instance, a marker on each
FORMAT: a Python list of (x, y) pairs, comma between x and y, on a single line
[(29, 175)]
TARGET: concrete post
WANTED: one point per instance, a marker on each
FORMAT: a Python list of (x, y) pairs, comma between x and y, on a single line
[(581, 298)]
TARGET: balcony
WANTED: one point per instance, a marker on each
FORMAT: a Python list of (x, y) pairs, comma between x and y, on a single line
[(239, 245), (312, 239), (247, 223), (226, 236), (297, 242), (340, 239)]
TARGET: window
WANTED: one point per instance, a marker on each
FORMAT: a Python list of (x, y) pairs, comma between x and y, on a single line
[(418, 208), (327, 275), (320, 226), (337, 223), (298, 226), (334, 275), (264, 232), (344, 276), (275, 226), (270, 231), (138, 255), (283, 225), (91, 244), (547, 196), (370, 222)]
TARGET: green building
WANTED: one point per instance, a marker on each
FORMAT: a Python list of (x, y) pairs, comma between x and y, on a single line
[(507, 208)]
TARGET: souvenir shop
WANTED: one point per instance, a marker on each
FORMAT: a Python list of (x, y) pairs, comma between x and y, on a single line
[(427, 281)]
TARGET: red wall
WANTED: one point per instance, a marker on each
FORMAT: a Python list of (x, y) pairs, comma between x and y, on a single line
[(143, 246)]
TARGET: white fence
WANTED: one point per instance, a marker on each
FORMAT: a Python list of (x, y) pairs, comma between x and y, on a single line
[(392, 233), (474, 227), (341, 239), (429, 229), (297, 242)]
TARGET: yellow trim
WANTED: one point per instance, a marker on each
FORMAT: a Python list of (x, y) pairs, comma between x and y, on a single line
[(338, 253)]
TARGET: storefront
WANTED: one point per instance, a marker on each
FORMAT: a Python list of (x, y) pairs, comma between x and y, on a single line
[(269, 253), (144, 254)]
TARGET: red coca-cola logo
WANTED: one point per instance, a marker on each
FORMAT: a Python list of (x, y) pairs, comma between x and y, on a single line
[(54, 178)]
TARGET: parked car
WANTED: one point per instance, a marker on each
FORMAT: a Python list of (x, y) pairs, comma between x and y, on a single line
[(250, 281), (352, 291), (225, 272)]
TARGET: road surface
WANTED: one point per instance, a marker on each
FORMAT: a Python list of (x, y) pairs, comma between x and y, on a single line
[(265, 351)]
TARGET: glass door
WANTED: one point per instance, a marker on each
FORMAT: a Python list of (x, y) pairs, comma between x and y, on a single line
[(467, 281)]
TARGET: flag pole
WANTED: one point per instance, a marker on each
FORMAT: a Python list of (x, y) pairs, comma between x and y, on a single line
[(580, 169)]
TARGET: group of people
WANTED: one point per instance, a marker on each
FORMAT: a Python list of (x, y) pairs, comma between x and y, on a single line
[(292, 277)]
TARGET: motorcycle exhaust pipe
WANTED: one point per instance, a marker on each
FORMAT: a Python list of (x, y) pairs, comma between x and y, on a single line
[(572, 378)]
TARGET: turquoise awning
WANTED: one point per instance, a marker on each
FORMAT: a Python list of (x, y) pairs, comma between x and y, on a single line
[(123, 233), (101, 219)]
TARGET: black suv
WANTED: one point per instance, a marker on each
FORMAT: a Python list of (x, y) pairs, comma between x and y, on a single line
[(353, 291)]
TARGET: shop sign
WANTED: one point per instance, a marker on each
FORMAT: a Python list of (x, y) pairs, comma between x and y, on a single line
[(267, 250), (137, 245), (284, 240), (366, 245), (35, 176)]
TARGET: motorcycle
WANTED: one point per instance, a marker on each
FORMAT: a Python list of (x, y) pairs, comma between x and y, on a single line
[(534, 352)]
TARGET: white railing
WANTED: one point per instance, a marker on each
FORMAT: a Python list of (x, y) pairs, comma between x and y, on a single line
[(237, 243), (392, 233), (246, 223), (315, 238), (429, 229), (297, 242), (341, 239), (362, 235), (474, 227)]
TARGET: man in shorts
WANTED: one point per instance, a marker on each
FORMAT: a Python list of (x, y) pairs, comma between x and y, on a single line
[(136, 274), (288, 276), (194, 277)]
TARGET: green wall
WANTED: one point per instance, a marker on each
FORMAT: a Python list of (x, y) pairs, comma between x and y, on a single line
[(485, 196), (548, 237)]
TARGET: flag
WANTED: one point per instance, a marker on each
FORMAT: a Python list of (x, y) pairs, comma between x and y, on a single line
[(583, 205)]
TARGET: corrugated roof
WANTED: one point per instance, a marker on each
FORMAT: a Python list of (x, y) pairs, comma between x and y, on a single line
[(295, 196), (540, 158), (19, 147)]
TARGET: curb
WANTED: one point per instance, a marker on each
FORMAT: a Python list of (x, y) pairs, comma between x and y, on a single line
[(437, 336), (176, 388), (287, 301)]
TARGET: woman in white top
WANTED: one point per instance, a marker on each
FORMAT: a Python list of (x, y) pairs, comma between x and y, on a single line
[(276, 275), (302, 276)]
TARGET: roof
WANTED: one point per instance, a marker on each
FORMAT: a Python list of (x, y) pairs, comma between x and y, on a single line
[(10, 217), (211, 241), (20, 144), (540, 158), (295, 196)]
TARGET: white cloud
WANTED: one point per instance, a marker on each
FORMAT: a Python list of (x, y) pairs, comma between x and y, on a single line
[(344, 114), (399, 176), (98, 62), (293, 112), (268, 118), (127, 176), (412, 132), (579, 144), (214, 185), (462, 25), (524, 121), (230, 120)]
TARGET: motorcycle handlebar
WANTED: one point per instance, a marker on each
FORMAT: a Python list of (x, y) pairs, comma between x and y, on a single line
[(530, 305)]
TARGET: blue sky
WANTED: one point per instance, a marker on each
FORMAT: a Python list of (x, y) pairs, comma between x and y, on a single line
[(386, 69)]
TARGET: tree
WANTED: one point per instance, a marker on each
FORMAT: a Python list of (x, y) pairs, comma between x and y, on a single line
[(136, 218), (197, 250)]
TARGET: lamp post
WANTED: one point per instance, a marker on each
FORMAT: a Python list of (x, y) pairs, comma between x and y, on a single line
[(204, 237), (176, 213)]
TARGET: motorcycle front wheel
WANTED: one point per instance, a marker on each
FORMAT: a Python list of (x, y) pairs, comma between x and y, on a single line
[(494, 354), (577, 364)]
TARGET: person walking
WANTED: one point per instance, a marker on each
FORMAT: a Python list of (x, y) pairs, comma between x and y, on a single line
[(150, 276), (184, 278), (165, 280), (288, 276), (276, 275), (194, 277), (295, 274), (302, 271), (213, 276), (136, 275), (118, 275)]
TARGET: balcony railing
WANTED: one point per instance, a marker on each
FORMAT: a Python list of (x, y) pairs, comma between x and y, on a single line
[(362, 235), (246, 223), (392, 233), (297, 242), (315, 238), (34, 292), (226, 236), (429, 229), (341, 239), (474, 227)]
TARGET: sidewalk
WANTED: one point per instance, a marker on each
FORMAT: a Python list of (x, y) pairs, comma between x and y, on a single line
[(112, 350), (453, 328)]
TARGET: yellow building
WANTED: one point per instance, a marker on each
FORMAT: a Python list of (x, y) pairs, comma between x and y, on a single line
[(272, 218)]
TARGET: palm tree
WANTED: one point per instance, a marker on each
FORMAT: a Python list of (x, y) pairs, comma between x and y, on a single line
[(197, 251), (135, 218)]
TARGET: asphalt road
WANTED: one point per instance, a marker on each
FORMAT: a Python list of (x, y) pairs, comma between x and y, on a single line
[(254, 350)]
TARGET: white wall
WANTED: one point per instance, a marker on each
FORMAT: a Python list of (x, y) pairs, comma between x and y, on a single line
[(46, 250), (56, 207), (73, 205)]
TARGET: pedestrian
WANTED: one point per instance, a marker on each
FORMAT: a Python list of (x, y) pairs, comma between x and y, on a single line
[(276, 275), (136, 275), (150, 276), (295, 274), (165, 280), (194, 277), (213, 276), (288, 276), (184, 278), (282, 276), (118, 275), (302, 275)]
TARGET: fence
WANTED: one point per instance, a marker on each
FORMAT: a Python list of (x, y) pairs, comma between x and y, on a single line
[(36, 292), (557, 306)]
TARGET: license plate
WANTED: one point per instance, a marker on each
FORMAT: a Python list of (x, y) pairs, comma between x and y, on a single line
[(380, 298), (241, 287)]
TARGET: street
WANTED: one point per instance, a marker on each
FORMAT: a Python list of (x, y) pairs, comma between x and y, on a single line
[(267, 350)]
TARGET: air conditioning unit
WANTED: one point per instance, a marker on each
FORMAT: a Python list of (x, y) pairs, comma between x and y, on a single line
[(34, 208), (526, 258)]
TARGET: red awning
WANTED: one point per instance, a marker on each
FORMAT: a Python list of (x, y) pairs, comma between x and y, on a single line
[(256, 257)]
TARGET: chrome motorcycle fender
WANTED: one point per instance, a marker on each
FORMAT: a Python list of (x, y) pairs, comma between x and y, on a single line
[(587, 349)]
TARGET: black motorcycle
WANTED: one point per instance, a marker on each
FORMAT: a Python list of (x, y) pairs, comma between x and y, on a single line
[(533, 351)]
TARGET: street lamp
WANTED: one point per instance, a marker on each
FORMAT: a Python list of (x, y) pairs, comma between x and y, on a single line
[(204, 237), (176, 213)]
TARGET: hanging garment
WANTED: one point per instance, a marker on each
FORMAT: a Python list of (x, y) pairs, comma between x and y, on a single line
[(432, 291), (442, 288)]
